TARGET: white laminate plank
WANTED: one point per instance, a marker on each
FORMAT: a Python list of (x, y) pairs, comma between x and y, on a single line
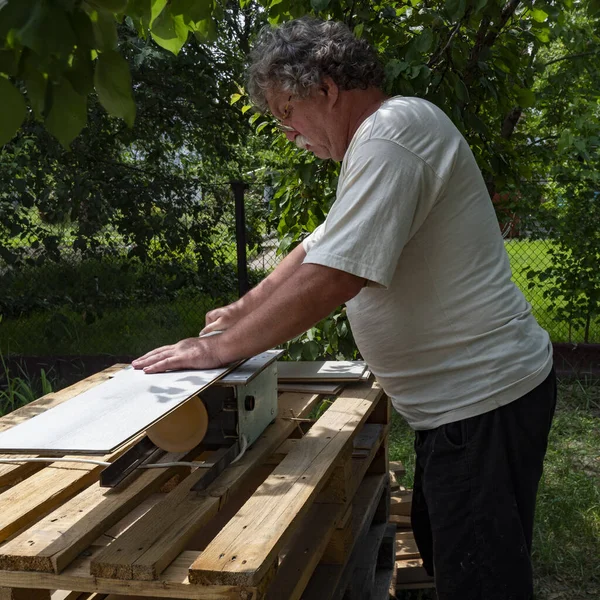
[(318, 387), (101, 419), (331, 370)]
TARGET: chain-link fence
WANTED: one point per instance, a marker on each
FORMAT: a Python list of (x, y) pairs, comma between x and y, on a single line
[(117, 296), (113, 301)]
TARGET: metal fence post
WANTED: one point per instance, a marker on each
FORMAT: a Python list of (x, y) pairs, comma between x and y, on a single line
[(238, 188)]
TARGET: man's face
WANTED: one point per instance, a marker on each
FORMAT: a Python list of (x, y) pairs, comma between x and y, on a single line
[(306, 121)]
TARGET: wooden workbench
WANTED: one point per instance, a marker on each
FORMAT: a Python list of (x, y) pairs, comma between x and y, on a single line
[(303, 514)]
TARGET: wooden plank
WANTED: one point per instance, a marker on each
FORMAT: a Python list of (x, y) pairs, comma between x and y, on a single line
[(401, 521), (13, 473), (173, 583), (318, 370), (148, 547), (37, 495), (52, 543), (308, 544), (411, 571), (401, 505), (363, 576), (19, 594), (326, 578), (102, 418), (245, 550), (397, 468), (406, 547)]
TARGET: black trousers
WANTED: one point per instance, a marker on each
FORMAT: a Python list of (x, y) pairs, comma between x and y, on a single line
[(474, 495)]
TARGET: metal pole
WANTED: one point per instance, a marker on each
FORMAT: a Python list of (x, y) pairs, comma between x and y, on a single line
[(238, 188)]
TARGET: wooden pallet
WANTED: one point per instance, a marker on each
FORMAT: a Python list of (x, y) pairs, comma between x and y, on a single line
[(286, 515)]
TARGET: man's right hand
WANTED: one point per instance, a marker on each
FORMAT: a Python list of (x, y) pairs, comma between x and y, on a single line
[(222, 318)]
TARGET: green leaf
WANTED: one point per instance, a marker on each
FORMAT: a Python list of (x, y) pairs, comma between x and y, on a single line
[(14, 15), (542, 34), (261, 126), (205, 31), (68, 114), (192, 11), (81, 73), (456, 9), (246, 108), (83, 28), (539, 15), (234, 98), (13, 110), (480, 5), (393, 68), (310, 350), (526, 98), (424, 41), (9, 60), (47, 31), (105, 31), (113, 84), (462, 93), (319, 5), (141, 10), (112, 6), (169, 31), (36, 84)]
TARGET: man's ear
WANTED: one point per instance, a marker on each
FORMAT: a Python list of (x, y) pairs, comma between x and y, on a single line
[(329, 89)]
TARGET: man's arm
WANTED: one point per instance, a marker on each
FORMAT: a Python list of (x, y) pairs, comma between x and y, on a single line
[(226, 316), (308, 295)]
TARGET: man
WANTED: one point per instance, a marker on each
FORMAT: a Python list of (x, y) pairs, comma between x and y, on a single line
[(412, 246)]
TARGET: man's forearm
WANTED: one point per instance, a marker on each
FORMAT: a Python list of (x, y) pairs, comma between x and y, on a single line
[(265, 289), (295, 304)]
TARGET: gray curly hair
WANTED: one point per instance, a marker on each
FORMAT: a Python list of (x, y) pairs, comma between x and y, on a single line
[(299, 54)]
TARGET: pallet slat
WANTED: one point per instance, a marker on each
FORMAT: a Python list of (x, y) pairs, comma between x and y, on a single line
[(148, 547), (52, 543), (306, 547), (244, 552)]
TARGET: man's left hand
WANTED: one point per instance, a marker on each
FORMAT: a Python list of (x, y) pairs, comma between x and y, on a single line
[(191, 353)]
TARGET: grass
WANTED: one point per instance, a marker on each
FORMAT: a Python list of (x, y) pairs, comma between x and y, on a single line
[(17, 391), (525, 255), (133, 314), (129, 330), (567, 529)]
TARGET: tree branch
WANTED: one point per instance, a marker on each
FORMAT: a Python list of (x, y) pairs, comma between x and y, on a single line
[(441, 53), (489, 38), (571, 57)]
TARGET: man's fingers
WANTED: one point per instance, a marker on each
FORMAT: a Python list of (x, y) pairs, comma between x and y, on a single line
[(170, 363), (151, 357)]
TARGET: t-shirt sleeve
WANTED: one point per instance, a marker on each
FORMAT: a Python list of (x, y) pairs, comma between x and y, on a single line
[(382, 186), (309, 241)]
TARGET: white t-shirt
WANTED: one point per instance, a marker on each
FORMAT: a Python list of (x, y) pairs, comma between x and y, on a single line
[(441, 325)]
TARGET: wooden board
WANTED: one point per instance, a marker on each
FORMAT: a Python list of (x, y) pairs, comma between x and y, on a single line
[(102, 418), (52, 543), (332, 370), (243, 553), (145, 550)]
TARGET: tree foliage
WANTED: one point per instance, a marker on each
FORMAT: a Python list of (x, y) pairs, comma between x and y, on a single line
[(139, 92)]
